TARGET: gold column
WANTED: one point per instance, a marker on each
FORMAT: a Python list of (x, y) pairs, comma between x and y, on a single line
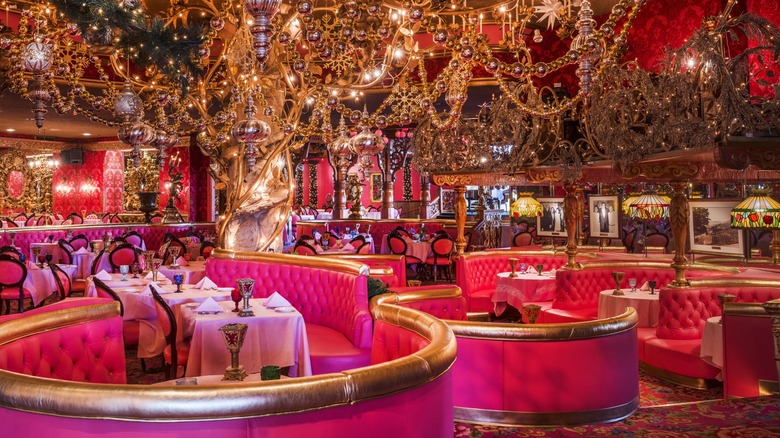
[(571, 213), (775, 247), (388, 197), (425, 195), (678, 216), (773, 309), (460, 218), (340, 194)]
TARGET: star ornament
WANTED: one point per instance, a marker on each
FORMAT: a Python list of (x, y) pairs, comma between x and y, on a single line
[(551, 11)]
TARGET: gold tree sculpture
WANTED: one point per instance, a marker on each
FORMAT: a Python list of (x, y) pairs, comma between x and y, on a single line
[(145, 177)]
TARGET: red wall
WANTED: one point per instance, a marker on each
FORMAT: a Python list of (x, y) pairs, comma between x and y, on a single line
[(113, 181), (68, 181)]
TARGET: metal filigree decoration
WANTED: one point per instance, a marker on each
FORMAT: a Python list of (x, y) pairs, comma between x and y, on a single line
[(37, 184)]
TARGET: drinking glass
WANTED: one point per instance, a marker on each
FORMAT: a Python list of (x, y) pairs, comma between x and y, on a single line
[(156, 263), (174, 250), (652, 285), (48, 258), (124, 269), (178, 279), (135, 268), (539, 268), (632, 283), (235, 295), (523, 267), (148, 258), (246, 286)]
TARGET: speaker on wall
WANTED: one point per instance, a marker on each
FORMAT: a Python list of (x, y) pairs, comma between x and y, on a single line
[(72, 156)]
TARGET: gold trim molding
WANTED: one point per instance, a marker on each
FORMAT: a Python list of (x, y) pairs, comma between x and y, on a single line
[(330, 263), (145, 403), (451, 180), (544, 175), (16, 329), (662, 170)]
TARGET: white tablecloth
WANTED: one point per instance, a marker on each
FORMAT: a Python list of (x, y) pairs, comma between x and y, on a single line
[(91, 221), (272, 339), (193, 273), (40, 281), (521, 289), (421, 250), (83, 262), (647, 306), (712, 342)]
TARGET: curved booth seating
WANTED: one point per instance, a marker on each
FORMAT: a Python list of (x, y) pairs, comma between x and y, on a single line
[(476, 272), (749, 367), (577, 291), (389, 268), (672, 350), (442, 301), (410, 378), (331, 294)]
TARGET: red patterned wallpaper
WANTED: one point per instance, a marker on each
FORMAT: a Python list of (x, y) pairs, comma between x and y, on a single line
[(764, 85), (199, 185), (15, 184), (184, 168), (113, 181), (79, 186)]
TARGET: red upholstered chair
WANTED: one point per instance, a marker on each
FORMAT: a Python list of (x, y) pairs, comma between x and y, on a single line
[(523, 238), (175, 353), (130, 328), (133, 238), (12, 276), (115, 219), (403, 231), (79, 241), (98, 261), (303, 248), (206, 248), (157, 218), (330, 238), (171, 241), (11, 251), (656, 241), (106, 219), (20, 217), (442, 248), (62, 280), (66, 251), (629, 240), (10, 224), (398, 246), (124, 254), (30, 221), (358, 240), (43, 220), (365, 248), (75, 218)]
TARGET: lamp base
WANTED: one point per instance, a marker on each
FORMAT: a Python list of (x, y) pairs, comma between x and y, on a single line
[(235, 373)]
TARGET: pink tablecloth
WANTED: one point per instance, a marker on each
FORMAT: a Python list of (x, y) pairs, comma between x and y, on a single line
[(522, 289), (421, 250), (83, 262), (712, 342), (46, 248), (40, 281), (647, 306), (272, 339), (193, 272)]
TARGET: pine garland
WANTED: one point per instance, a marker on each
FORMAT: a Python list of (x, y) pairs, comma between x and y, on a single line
[(299, 185), (408, 181), (313, 184), (126, 26)]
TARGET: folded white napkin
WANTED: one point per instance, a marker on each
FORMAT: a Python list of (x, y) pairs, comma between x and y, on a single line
[(160, 276), (645, 287), (181, 261), (148, 290), (552, 272), (209, 306), (103, 275), (318, 248), (206, 283), (81, 250), (276, 300), (348, 247)]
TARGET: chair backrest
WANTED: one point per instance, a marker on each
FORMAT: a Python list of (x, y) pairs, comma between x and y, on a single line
[(330, 238), (43, 220), (75, 218), (30, 221), (523, 238), (372, 208), (629, 240), (20, 217), (442, 247), (173, 241), (11, 251), (104, 291), (79, 241), (134, 238), (12, 272), (123, 254), (116, 219), (396, 243), (115, 242), (11, 224), (402, 231), (98, 260), (656, 240), (168, 323), (66, 250), (157, 218), (303, 248), (106, 218), (365, 248), (206, 248), (358, 239), (62, 280)]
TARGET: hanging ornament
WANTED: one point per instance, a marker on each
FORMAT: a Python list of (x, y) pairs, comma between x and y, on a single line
[(127, 105), (367, 144), (36, 59), (341, 148), (250, 132), (163, 141), (262, 11), (136, 134)]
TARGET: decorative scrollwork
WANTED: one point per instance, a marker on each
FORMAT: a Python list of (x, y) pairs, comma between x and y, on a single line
[(451, 180), (35, 195), (662, 170)]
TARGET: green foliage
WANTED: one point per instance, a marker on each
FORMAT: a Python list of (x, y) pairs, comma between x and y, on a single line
[(376, 287), (701, 220)]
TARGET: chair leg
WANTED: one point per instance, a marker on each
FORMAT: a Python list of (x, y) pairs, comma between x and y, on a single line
[(435, 273), (143, 365)]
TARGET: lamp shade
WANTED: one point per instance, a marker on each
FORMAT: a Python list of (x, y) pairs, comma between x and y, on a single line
[(626, 206), (650, 206), (757, 211), (525, 206)]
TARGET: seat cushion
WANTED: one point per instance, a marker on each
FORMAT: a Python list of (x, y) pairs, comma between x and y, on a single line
[(412, 260), (13, 294), (570, 315), (332, 352), (182, 350), (680, 356), (130, 332), (481, 301), (644, 334)]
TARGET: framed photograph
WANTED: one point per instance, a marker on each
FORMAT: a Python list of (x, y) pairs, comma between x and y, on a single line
[(604, 216), (447, 198), (709, 228), (376, 187), (551, 223)]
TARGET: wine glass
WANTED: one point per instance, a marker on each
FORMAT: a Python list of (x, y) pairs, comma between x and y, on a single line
[(539, 268), (178, 279), (235, 295), (156, 263), (148, 258), (246, 286), (174, 250), (652, 285), (523, 267), (124, 269), (135, 268), (632, 283)]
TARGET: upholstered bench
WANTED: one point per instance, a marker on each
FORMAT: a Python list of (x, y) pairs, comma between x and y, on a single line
[(443, 301), (389, 268), (331, 294)]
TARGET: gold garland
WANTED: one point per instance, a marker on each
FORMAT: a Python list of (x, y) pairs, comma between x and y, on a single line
[(144, 177), (30, 199)]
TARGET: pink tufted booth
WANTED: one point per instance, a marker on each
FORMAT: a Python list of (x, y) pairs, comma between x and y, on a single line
[(331, 294), (389, 268), (673, 347), (442, 301), (89, 351), (571, 373), (748, 350), (152, 234), (476, 273)]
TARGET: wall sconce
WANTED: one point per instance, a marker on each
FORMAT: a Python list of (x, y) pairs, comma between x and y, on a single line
[(89, 187), (42, 160)]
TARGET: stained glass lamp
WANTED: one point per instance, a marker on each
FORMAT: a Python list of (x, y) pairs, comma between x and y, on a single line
[(525, 206)]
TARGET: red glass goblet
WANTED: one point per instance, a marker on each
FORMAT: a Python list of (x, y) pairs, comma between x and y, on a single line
[(235, 295)]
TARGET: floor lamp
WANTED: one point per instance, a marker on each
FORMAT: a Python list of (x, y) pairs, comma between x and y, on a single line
[(759, 211), (649, 207)]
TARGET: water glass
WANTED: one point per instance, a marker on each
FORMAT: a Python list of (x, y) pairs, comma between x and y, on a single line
[(178, 279), (539, 269), (124, 269), (652, 285), (523, 267), (632, 283)]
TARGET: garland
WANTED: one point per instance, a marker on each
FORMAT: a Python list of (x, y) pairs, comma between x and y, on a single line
[(126, 26), (299, 184), (408, 180), (313, 184)]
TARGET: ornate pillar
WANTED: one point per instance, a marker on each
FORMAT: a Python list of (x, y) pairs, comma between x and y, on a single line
[(580, 215), (390, 161), (775, 247), (425, 195), (480, 207), (571, 209), (773, 309), (387, 196), (460, 218), (339, 193), (678, 217)]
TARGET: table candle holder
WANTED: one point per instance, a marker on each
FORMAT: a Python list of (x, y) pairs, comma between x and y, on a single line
[(156, 263), (234, 335), (175, 251), (36, 250), (246, 286), (148, 260), (512, 262), (106, 239), (532, 312), (725, 298), (618, 277)]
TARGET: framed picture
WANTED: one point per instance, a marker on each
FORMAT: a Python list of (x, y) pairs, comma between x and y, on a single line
[(447, 198), (551, 223), (604, 216), (376, 187), (709, 228)]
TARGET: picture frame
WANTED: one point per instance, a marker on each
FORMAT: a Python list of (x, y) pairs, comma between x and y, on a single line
[(447, 199), (604, 216), (376, 186), (551, 222), (709, 228)]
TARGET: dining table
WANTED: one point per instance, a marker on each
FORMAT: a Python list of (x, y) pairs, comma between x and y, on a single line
[(46, 248), (712, 342), (272, 338), (646, 304), (416, 248), (40, 280), (192, 273), (83, 261), (525, 287)]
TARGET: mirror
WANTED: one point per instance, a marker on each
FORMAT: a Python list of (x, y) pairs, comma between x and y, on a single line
[(15, 184)]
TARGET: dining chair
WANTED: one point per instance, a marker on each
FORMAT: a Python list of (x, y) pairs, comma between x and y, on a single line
[(206, 248), (75, 218), (130, 328), (442, 248), (397, 245), (172, 241), (116, 219), (12, 251), (656, 240), (359, 240), (332, 240), (11, 224), (79, 241), (106, 219), (134, 238), (30, 221), (62, 280), (176, 352), (156, 218), (303, 248), (123, 254), (523, 238), (20, 217), (629, 240), (403, 231), (43, 220), (98, 261), (66, 252), (13, 273), (365, 248)]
